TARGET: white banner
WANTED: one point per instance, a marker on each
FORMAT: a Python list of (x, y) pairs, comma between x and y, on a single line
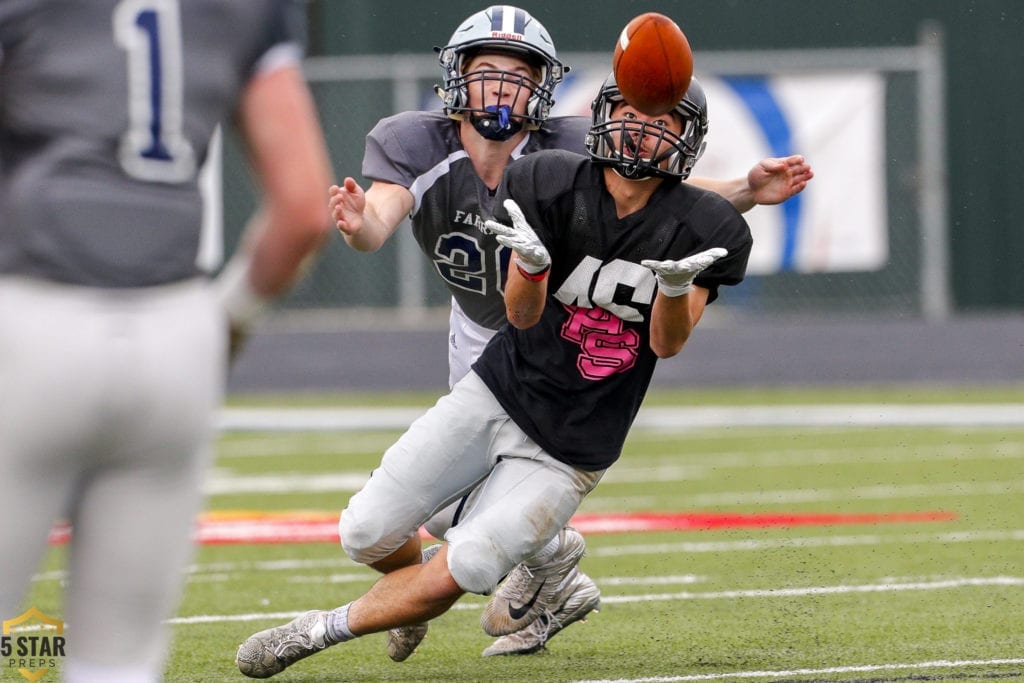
[(837, 121)]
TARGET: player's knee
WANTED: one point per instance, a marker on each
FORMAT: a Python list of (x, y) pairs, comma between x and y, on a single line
[(362, 542), (476, 565)]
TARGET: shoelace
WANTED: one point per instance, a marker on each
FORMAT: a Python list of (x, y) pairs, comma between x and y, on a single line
[(519, 585), (296, 644), (541, 626)]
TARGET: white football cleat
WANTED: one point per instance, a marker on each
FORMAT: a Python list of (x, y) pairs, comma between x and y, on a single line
[(272, 651), (529, 591), (580, 601)]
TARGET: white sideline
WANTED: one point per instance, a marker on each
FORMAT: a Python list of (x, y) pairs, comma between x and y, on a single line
[(889, 587), (941, 664), (686, 595), (656, 417)]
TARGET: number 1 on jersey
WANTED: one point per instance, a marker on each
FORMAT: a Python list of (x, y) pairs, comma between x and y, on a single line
[(154, 146)]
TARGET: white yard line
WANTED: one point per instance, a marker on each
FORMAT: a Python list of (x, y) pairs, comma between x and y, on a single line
[(999, 448), (655, 417), (940, 664), (887, 587), (219, 482), (303, 443), (222, 482), (805, 542), (599, 501)]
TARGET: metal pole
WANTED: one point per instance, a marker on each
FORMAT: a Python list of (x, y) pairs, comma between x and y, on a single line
[(412, 281), (935, 280)]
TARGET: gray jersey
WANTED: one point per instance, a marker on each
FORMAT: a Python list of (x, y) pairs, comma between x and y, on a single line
[(100, 143), (422, 152)]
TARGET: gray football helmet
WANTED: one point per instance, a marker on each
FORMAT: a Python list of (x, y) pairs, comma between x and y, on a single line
[(501, 29), (681, 151)]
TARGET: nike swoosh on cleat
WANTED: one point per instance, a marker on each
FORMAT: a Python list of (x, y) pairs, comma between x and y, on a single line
[(520, 612)]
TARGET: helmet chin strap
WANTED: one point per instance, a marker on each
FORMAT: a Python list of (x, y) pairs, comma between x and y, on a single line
[(497, 124), (631, 172)]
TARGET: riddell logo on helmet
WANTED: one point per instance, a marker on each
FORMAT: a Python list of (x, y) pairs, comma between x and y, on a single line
[(507, 36)]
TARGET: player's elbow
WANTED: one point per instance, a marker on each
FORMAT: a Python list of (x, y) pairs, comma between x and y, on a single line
[(307, 219), (522, 319), (666, 346), (312, 220), (663, 351)]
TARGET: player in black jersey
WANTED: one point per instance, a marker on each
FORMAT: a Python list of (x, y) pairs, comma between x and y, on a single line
[(614, 261), (442, 170), (586, 328)]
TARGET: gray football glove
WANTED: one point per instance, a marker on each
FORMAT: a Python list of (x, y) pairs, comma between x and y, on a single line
[(675, 278), (533, 255)]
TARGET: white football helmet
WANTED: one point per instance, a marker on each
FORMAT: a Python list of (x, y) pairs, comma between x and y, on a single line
[(681, 151), (501, 29)]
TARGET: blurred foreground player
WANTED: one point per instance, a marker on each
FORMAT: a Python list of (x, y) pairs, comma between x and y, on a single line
[(613, 263), (113, 345)]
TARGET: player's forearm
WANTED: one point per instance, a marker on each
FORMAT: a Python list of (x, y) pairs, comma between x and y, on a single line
[(737, 191), (386, 206), (280, 247), (670, 325), (673, 319), (282, 134), (524, 298), (272, 256), (371, 236)]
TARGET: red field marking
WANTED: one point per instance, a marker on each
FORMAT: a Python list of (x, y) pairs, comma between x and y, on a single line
[(250, 526), (698, 521)]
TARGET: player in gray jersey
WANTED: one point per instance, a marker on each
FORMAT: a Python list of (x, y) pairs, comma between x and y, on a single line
[(442, 169), (114, 343)]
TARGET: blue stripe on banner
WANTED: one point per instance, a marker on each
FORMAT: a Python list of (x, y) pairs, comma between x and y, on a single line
[(762, 103)]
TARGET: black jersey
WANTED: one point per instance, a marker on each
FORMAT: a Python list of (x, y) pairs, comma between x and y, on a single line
[(422, 152), (575, 380)]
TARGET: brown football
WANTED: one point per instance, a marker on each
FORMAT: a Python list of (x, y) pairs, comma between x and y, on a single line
[(653, 63)]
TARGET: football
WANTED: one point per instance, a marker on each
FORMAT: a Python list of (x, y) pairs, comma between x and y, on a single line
[(653, 63)]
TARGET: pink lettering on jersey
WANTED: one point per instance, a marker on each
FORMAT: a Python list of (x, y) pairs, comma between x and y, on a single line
[(606, 346)]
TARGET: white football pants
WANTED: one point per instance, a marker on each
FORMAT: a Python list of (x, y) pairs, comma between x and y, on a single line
[(106, 413), (466, 341), (466, 440)]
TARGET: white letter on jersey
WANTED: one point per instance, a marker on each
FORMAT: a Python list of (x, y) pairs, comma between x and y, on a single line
[(631, 275), (575, 290)]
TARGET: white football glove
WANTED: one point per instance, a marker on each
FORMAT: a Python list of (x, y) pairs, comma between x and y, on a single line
[(675, 278), (533, 255)]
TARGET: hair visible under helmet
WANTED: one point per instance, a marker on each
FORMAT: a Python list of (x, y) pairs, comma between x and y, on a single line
[(500, 29), (680, 151)]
